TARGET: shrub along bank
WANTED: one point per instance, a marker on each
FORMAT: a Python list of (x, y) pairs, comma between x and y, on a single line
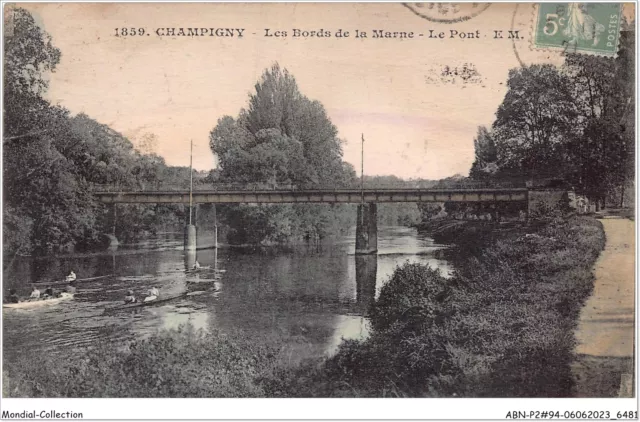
[(502, 326), (175, 363)]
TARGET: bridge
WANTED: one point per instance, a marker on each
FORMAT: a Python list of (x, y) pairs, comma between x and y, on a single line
[(367, 200), (330, 196)]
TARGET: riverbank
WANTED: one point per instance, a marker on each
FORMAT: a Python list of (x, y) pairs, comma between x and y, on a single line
[(502, 326), (175, 363)]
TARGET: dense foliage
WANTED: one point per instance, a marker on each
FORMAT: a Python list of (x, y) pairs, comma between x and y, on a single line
[(400, 213), (574, 123), (282, 139), (182, 363), (52, 159)]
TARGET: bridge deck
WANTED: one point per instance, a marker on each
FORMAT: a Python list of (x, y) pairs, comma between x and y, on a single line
[(340, 196)]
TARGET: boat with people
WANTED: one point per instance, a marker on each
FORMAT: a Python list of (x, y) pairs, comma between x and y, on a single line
[(195, 270), (157, 300), (33, 303), (67, 281), (203, 280), (197, 267), (207, 268)]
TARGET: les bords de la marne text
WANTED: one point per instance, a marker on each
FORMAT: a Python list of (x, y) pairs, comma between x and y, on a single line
[(204, 32)]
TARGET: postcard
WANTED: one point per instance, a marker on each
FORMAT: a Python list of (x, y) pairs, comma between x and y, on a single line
[(213, 201)]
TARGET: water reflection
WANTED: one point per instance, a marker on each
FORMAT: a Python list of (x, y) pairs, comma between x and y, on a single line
[(366, 272), (179, 316), (189, 260), (354, 324), (307, 298)]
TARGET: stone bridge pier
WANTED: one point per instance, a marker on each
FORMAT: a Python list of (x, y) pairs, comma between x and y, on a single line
[(367, 229)]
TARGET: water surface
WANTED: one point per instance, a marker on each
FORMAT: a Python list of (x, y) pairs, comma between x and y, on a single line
[(307, 297)]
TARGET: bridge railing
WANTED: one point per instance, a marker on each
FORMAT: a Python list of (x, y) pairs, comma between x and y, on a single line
[(153, 187), (227, 187)]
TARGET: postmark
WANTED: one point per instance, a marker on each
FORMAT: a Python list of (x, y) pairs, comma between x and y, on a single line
[(587, 28), (447, 12), (458, 74)]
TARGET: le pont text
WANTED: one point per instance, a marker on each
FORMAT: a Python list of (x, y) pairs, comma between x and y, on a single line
[(374, 34)]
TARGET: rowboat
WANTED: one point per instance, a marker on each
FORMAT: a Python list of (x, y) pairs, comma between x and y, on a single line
[(203, 280), (159, 300), (63, 282), (38, 302), (195, 270)]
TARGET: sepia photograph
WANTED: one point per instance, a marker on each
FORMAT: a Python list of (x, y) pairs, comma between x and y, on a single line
[(319, 200)]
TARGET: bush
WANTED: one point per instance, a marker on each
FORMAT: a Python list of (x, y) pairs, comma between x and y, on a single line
[(501, 327), (179, 363), (415, 292)]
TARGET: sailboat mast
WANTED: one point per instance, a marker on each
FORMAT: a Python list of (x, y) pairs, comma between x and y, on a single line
[(362, 171), (191, 182)]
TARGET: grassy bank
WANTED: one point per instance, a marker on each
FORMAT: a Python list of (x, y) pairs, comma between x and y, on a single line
[(501, 327), (177, 363)]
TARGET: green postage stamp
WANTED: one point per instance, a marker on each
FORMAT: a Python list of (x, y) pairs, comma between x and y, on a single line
[(588, 28)]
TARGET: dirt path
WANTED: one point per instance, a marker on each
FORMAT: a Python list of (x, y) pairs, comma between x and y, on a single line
[(605, 331)]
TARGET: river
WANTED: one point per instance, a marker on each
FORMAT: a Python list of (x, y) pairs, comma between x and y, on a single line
[(307, 297)]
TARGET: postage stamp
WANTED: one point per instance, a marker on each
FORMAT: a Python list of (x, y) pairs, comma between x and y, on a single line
[(588, 28)]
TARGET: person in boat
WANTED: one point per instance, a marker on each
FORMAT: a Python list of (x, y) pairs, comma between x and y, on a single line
[(71, 276), (130, 298), (35, 293), (151, 295), (13, 296)]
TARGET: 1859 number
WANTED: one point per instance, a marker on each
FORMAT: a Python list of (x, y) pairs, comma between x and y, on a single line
[(129, 32)]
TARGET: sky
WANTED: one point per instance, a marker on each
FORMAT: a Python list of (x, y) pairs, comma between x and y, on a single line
[(416, 122)]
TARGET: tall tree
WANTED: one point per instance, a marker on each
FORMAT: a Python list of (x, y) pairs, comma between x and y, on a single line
[(29, 54), (284, 139), (604, 91), (485, 164), (51, 159), (38, 185), (570, 123), (278, 107), (534, 120)]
